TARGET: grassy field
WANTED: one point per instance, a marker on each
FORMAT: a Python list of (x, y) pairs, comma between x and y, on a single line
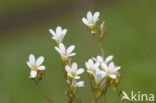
[(131, 39)]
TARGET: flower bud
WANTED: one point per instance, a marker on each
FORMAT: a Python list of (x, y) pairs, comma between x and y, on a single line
[(102, 31), (41, 74)]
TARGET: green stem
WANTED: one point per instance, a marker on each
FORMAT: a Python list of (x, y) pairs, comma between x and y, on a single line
[(43, 93), (117, 90), (105, 100), (95, 96)]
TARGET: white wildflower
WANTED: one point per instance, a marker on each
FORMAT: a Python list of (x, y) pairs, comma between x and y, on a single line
[(91, 19), (99, 76), (35, 65), (111, 69), (91, 66), (59, 34), (65, 53), (73, 72)]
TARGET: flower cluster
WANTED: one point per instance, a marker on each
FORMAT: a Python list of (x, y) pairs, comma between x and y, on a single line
[(101, 69), (103, 73), (71, 71)]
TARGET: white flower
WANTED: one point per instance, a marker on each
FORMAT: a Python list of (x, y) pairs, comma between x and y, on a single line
[(99, 76), (91, 66), (73, 72), (111, 70), (65, 53), (91, 20), (59, 34), (35, 65), (77, 84)]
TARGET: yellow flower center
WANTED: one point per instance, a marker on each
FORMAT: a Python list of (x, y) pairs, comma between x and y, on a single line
[(34, 68), (73, 74), (91, 22), (91, 69)]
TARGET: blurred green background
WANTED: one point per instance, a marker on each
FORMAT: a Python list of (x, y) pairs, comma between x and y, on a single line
[(24, 28)]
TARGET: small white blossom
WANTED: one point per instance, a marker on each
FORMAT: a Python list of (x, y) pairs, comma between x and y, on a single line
[(65, 53), (99, 76), (59, 34), (73, 72), (111, 69), (91, 19), (91, 66), (35, 65)]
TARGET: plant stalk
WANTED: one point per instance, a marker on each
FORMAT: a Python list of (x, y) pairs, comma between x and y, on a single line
[(43, 93)]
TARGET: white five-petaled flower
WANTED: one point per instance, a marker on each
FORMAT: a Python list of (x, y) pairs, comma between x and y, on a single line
[(73, 72), (76, 84), (65, 53), (35, 65), (99, 75), (59, 34), (110, 69), (91, 19), (91, 66)]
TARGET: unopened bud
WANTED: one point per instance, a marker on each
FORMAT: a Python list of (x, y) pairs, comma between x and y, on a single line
[(102, 31), (117, 80), (41, 74)]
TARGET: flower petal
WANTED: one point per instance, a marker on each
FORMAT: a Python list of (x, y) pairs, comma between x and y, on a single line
[(58, 50), (99, 58), (116, 68), (108, 59), (33, 74), (95, 16), (113, 76), (80, 84), (41, 68), (72, 54), (29, 64), (77, 77), (39, 61), (32, 59), (80, 71), (85, 21), (70, 49), (58, 30), (74, 66), (111, 65), (67, 68), (52, 32), (89, 16), (62, 48), (63, 33), (104, 66)]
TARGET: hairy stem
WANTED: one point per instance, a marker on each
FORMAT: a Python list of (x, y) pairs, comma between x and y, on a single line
[(101, 48), (43, 93)]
